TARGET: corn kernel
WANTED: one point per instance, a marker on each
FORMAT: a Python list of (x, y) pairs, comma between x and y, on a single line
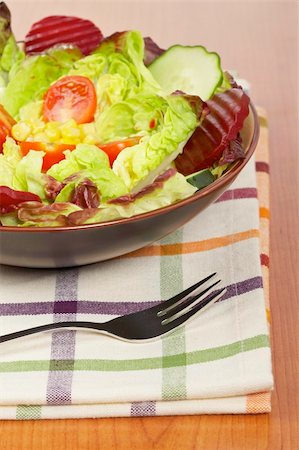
[(70, 132), (40, 137), (90, 139), (52, 131), (21, 131), (37, 125)]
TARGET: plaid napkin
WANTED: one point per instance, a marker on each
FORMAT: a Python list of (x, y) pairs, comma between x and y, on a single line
[(219, 363)]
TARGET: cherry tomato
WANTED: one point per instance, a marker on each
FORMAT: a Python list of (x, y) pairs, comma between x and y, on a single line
[(11, 199), (71, 97), (54, 152), (6, 123), (114, 148)]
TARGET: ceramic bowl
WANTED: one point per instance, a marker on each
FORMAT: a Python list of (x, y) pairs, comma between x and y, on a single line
[(85, 244)]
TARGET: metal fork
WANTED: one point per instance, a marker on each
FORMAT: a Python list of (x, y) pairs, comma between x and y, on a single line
[(146, 324)]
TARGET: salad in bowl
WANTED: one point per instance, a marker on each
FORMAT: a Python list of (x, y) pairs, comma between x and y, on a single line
[(95, 128)]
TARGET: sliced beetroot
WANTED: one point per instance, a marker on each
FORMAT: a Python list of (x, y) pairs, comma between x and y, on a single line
[(53, 30), (228, 110)]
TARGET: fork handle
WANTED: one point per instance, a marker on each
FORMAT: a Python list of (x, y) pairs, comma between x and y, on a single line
[(52, 326)]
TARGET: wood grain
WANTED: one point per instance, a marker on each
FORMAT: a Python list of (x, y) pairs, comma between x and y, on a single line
[(260, 39)]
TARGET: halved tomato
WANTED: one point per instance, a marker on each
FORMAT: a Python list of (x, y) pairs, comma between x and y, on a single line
[(6, 123), (114, 148), (71, 97), (54, 152)]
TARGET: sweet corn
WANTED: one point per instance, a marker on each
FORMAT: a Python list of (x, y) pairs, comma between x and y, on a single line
[(89, 133), (35, 129), (52, 131), (20, 131), (71, 132), (37, 126), (39, 137)]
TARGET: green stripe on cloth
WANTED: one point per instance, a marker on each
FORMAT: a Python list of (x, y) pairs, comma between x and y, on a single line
[(171, 282), (29, 412), (177, 360)]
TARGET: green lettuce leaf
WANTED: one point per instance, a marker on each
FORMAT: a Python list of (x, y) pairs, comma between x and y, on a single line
[(8, 161), (174, 189), (92, 66), (11, 55), (34, 76), (217, 171), (9, 220), (138, 115), (28, 174), (22, 173), (125, 50), (108, 184), (84, 156), (139, 165), (110, 88)]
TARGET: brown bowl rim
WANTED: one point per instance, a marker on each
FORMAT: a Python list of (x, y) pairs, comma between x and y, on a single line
[(230, 175)]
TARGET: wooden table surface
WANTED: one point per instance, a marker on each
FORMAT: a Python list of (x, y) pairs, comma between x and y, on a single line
[(260, 40)]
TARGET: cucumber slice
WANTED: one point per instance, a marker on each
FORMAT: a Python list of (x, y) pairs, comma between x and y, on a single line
[(201, 179), (192, 70)]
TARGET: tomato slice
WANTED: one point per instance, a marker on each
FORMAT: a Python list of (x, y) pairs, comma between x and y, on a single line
[(54, 152), (71, 97), (6, 123), (113, 149)]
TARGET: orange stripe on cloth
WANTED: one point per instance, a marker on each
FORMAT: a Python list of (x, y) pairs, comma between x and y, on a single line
[(264, 212), (194, 247), (258, 403)]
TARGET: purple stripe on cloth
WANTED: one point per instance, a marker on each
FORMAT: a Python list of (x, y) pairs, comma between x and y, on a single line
[(242, 287), (262, 166), (26, 309), (235, 194), (79, 307), (113, 308), (143, 409), (106, 308), (59, 388)]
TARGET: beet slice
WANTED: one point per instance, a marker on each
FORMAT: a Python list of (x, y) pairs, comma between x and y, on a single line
[(53, 30)]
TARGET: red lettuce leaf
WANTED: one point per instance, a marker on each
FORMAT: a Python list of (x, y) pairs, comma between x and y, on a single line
[(157, 184), (86, 195), (39, 213), (151, 51), (5, 25), (228, 110), (233, 151), (52, 187), (79, 217), (10, 199)]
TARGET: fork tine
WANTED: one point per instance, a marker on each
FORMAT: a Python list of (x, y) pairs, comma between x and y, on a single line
[(176, 320), (184, 293), (185, 302)]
